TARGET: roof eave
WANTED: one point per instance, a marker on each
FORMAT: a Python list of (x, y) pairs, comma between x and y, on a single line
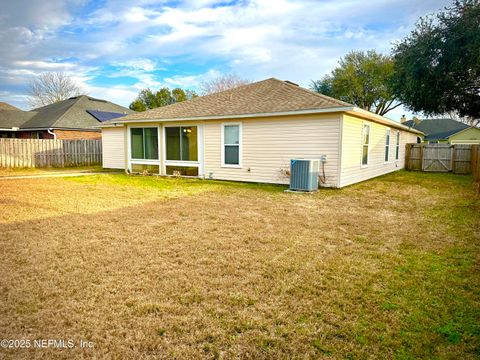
[(19, 129), (383, 120), (240, 116), (342, 109)]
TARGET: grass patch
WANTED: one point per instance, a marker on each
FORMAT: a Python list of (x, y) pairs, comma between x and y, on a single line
[(49, 170), (185, 268)]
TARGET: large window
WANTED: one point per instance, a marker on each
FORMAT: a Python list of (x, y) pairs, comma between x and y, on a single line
[(181, 143), (144, 143), (397, 146), (231, 144), (365, 143), (387, 145)]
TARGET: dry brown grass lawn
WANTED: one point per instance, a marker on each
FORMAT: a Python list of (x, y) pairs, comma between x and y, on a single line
[(48, 170), (170, 268)]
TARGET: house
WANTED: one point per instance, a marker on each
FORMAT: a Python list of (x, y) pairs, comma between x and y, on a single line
[(7, 106), (446, 131), (74, 118), (250, 133)]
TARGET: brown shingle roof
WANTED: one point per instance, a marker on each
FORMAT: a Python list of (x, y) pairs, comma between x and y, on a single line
[(7, 106), (267, 96)]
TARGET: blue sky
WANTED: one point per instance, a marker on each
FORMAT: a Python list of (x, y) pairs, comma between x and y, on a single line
[(114, 48)]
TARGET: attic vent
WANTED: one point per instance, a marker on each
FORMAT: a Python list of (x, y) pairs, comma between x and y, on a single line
[(292, 83)]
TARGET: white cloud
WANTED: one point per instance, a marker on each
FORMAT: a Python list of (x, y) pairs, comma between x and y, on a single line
[(18, 100), (35, 14), (44, 65), (138, 14), (297, 40), (137, 64), (192, 81), (119, 94)]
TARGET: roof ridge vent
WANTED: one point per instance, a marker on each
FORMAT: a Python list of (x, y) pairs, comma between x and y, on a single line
[(99, 100), (291, 83)]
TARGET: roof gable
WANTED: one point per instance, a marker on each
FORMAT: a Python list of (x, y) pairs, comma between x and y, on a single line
[(46, 116), (437, 128), (267, 96)]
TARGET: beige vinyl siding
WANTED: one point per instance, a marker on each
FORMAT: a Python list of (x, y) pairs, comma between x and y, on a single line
[(269, 144), (113, 144), (468, 136), (352, 170)]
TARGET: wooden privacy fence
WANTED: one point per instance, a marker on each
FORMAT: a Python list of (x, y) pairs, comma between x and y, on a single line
[(45, 153), (476, 163), (459, 158)]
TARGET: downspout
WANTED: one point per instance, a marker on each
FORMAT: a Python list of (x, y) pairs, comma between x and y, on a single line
[(52, 133)]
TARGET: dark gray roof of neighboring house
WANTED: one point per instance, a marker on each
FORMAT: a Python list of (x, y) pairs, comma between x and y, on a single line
[(267, 96), (72, 113), (14, 118), (437, 129)]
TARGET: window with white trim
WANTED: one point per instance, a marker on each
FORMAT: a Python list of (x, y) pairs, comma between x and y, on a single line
[(397, 146), (144, 143), (181, 143), (231, 144), (387, 145), (365, 143)]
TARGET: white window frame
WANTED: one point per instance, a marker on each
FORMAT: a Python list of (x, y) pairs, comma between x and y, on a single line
[(397, 146), (364, 125), (386, 152), (240, 145), (142, 161), (198, 164)]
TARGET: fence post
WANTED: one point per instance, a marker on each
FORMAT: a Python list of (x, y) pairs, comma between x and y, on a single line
[(421, 156), (454, 159), (475, 162), (408, 149)]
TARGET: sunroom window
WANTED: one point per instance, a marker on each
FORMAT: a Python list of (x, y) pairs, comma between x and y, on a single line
[(144, 143), (181, 143)]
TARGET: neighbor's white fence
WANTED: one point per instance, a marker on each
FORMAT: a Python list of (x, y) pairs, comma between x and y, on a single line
[(44, 153)]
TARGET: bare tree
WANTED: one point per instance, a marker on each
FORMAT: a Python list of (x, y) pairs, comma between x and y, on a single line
[(224, 82), (51, 87), (470, 121)]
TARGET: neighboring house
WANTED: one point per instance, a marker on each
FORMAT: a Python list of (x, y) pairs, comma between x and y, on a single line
[(250, 133), (74, 118), (446, 131), (6, 106)]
